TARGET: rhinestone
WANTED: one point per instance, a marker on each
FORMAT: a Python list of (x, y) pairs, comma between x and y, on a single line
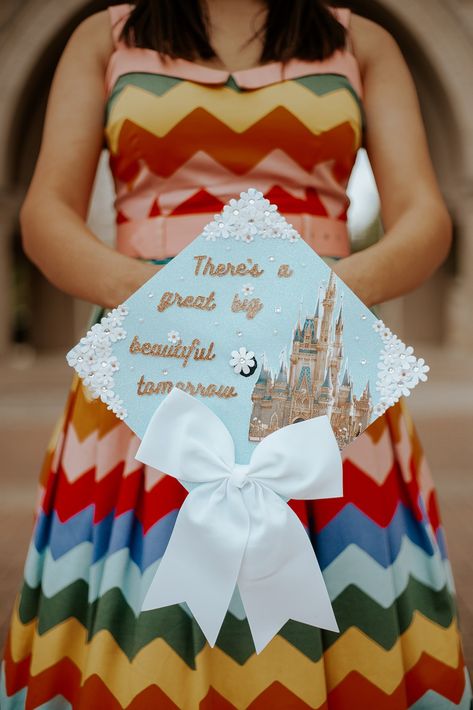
[(104, 363), (415, 368), (216, 322), (266, 213), (132, 367), (80, 358), (252, 202), (181, 278), (357, 337), (235, 212), (363, 362), (275, 332), (363, 317), (402, 356), (391, 369), (221, 225), (106, 330), (242, 360), (150, 295), (303, 264), (271, 258), (278, 309), (239, 333), (141, 319), (165, 372)]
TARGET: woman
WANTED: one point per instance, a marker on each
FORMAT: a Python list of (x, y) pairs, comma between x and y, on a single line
[(198, 106)]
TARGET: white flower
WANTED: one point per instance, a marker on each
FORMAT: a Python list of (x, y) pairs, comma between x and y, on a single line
[(417, 373), (379, 409), (174, 337), (378, 326), (242, 360), (386, 333), (247, 289)]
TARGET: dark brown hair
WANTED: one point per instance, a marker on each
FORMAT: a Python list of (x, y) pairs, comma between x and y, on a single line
[(306, 29)]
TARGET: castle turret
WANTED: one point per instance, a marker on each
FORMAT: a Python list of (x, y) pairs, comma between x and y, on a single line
[(362, 410), (328, 305)]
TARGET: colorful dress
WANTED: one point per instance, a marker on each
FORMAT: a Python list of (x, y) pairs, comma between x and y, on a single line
[(183, 140)]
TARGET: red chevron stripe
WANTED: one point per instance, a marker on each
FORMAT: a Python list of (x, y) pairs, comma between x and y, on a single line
[(121, 494), (278, 697), (200, 201), (113, 492), (378, 502)]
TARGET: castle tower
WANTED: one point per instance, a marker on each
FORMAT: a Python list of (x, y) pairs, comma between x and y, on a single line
[(342, 410), (336, 358), (328, 305), (362, 410), (324, 400), (280, 398), (261, 398)]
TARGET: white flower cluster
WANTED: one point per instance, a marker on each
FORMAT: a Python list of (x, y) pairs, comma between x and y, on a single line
[(247, 217), (94, 362), (399, 371)]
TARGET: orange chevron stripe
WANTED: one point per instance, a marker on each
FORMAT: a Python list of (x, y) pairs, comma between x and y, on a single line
[(238, 152)]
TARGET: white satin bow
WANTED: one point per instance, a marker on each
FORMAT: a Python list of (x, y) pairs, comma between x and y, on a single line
[(234, 526)]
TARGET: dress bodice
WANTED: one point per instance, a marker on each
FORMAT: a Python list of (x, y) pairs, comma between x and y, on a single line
[(184, 139)]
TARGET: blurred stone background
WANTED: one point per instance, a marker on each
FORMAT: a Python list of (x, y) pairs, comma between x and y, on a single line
[(38, 323)]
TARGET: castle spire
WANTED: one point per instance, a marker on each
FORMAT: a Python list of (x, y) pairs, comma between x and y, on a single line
[(328, 380)]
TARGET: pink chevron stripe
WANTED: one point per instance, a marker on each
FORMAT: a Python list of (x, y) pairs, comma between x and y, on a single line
[(376, 459), (78, 456), (222, 184)]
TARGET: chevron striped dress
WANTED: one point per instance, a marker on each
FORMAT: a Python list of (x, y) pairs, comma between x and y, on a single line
[(183, 139)]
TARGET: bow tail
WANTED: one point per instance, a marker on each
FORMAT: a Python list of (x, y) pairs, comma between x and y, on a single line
[(280, 577), (202, 560)]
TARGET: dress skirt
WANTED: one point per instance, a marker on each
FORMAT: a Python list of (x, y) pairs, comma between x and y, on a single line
[(77, 638)]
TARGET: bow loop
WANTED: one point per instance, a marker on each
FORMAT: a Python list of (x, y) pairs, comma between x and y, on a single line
[(223, 536)]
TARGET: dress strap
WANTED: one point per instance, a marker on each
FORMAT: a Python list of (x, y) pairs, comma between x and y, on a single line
[(118, 16)]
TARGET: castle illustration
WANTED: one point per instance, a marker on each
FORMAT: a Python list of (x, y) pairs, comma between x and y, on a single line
[(316, 382)]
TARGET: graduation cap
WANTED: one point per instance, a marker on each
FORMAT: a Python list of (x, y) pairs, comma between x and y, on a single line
[(245, 365)]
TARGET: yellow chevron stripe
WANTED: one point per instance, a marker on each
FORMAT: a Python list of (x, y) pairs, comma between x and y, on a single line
[(281, 661), (159, 114)]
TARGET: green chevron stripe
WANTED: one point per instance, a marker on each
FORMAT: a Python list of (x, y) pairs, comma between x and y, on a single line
[(160, 84), (111, 611)]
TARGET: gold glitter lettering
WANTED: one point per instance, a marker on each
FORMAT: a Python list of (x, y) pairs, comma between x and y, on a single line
[(285, 271), (178, 351), (251, 306), (173, 298), (210, 269)]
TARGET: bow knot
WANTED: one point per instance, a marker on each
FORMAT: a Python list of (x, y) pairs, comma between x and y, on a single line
[(239, 474), (252, 539)]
